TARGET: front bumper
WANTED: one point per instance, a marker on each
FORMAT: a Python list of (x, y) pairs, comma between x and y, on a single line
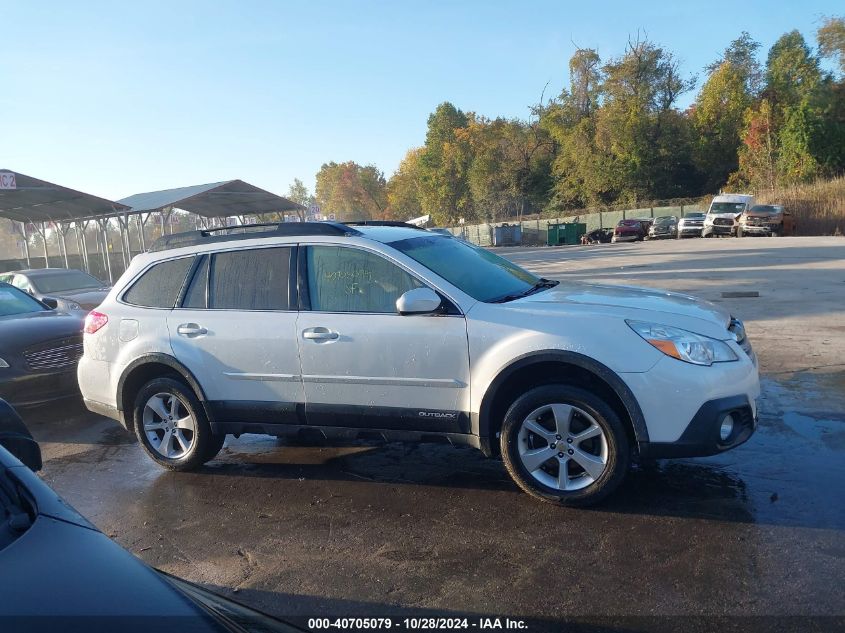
[(702, 437), (690, 230), (625, 238), (719, 229), (757, 230), (29, 389)]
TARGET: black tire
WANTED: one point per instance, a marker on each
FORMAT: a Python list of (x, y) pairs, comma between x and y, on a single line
[(618, 450), (204, 443)]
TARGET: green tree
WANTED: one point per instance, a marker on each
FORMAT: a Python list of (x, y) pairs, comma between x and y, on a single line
[(444, 164), (741, 54), (352, 191), (792, 73), (298, 192), (718, 117)]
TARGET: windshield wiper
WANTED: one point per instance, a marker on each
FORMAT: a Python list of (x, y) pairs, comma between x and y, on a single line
[(542, 284)]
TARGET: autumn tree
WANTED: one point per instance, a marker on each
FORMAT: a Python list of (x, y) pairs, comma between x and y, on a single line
[(404, 193), (352, 191)]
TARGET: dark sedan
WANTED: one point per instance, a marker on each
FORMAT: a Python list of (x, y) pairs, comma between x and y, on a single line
[(60, 573), (664, 226), (39, 349), (60, 288)]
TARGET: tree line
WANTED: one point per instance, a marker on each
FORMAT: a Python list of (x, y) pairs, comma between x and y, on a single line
[(616, 135)]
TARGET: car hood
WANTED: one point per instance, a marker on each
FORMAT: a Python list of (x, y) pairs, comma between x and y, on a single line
[(632, 301), (23, 330)]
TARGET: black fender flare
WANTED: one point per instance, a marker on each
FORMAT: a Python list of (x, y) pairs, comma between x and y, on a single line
[(160, 359), (591, 365)]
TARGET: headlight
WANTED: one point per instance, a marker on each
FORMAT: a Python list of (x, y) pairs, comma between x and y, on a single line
[(3, 363), (683, 345)]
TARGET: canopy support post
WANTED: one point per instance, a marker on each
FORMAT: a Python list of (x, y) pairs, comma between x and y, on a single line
[(84, 244), (63, 243), (25, 244), (104, 235)]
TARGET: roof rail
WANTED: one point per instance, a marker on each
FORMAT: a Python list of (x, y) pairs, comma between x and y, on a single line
[(249, 232), (383, 223)]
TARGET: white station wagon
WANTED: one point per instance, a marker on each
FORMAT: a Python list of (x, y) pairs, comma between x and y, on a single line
[(387, 329)]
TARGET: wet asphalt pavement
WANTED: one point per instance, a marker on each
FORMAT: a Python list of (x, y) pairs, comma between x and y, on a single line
[(367, 529)]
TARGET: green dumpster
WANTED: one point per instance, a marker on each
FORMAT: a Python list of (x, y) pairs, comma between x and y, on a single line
[(566, 233)]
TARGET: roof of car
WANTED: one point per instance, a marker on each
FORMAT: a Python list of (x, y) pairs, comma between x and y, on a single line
[(36, 272), (384, 232)]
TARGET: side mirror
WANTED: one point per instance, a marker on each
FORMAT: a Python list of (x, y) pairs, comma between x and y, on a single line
[(418, 301), (50, 302), (16, 438)]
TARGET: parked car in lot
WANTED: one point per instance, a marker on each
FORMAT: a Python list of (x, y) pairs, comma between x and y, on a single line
[(766, 219), (61, 573), (410, 335), (724, 211), (39, 349), (663, 227), (60, 288), (630, 231), (691, 225)]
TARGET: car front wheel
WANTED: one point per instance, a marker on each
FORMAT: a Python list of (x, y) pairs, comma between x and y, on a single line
[(171, 425), (565, 445)]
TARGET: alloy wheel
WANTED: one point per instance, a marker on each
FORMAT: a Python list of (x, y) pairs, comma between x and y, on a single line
[(169, 426), (562, 447)]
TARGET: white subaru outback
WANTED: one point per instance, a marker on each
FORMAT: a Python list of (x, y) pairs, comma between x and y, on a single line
[(390, 330)]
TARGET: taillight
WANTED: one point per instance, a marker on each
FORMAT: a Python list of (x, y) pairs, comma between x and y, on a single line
[(94, 321)]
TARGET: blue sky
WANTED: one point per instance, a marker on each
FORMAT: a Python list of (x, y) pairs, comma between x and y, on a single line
[(115, 98)]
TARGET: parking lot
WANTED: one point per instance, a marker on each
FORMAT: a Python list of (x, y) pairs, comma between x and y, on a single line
[(366, 529)]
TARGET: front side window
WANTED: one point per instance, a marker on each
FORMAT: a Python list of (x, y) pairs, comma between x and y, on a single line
[(159, 287), (344, 279), (478, 272), (256, 279)]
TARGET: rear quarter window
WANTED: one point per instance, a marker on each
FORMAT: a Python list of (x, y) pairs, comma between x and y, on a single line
[(159, 286)]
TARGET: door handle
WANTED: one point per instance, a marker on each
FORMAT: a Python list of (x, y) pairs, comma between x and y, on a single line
[(319, 334), (191, 329)]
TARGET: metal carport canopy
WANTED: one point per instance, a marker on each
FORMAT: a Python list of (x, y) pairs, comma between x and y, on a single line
[(215, 200), (27, 199)]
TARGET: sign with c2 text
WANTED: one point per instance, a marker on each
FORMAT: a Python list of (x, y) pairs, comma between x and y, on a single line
[(7, 180)]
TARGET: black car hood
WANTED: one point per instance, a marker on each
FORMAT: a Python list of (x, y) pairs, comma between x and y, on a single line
[(20, 331)]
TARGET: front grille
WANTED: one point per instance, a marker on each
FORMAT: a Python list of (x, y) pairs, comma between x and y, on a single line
[(756, 222), (55, 354), (693, 223), (723, 222)]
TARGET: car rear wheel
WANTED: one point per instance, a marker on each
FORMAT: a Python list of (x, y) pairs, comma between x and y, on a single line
[(565, 445), (171, 425)]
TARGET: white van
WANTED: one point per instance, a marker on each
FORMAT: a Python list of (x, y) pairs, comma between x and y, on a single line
[(723, 213)]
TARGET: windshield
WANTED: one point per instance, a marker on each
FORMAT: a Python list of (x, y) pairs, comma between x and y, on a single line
[(478, 272), (64, 280), (628, 223), (667, 219), (765, 208), (727, 207), (694, 216), (14, 301)]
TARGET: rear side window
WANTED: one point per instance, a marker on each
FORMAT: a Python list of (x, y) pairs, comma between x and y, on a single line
[(256, 279), (159, 287), (198, 290)]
